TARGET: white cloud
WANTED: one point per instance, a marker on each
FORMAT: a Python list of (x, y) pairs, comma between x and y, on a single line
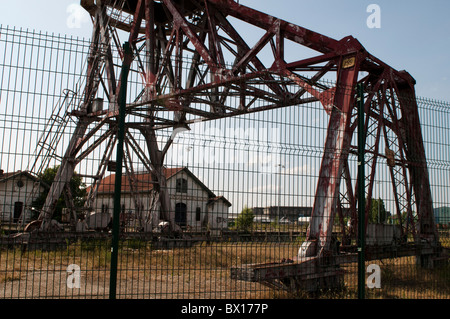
[(77, 16), (300, 170)]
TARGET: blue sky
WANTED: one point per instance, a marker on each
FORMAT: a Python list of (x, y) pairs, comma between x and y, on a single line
[(414, 35)]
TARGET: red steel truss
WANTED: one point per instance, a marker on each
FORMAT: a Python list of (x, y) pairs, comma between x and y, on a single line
[(196, 66)]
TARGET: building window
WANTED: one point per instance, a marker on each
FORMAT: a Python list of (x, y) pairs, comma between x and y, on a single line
[(181, 185), (198, 212)]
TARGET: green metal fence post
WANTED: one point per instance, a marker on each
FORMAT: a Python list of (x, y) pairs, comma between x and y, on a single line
[(361, 194), (118, 179)]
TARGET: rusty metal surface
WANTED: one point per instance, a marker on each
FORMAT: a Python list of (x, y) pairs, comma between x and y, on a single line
[(302, 270)]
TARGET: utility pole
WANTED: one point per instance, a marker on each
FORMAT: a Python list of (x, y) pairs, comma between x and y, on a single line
[(118, 178)]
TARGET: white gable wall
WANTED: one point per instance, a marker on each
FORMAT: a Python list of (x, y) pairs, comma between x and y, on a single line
[(196, 197), (218, 216)]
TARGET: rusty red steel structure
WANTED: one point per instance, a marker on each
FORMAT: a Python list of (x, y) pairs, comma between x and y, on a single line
[(196, 66)]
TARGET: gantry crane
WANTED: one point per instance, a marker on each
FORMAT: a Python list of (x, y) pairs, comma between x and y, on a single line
[(195, 65)]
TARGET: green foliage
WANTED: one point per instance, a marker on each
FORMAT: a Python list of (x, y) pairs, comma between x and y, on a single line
[(244, 221), (413, 219), (377, 212), (77, 187)]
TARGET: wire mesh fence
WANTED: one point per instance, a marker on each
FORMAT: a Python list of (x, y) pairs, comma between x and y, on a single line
[(241, 192)]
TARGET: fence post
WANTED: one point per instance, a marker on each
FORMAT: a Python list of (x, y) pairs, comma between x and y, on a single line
[(361, 194), (118, 178)]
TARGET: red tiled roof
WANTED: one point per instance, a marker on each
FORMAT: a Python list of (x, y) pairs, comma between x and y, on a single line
[(143, 181)]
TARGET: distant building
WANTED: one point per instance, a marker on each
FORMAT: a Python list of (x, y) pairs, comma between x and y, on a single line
[(290, 213), (196, 206), (442, 215), (18, 190), (286, 213)]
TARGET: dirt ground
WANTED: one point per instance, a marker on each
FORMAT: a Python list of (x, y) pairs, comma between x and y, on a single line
[(54, 284), (198, 272)]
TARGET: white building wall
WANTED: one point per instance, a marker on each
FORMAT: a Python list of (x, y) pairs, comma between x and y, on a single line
[(218, 216), (195, 197), (10, 193)]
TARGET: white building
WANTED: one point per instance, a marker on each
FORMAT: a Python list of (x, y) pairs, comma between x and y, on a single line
[(196, 206), (18, 190)]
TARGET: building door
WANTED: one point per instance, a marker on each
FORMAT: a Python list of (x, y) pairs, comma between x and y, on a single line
[(18, 207), (180, 214)]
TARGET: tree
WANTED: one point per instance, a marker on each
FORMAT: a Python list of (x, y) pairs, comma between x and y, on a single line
[(413, 219), (244, 221), (77, 188), (377, 212)]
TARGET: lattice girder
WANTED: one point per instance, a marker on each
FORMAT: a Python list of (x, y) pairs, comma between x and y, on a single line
[(196, 66)]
